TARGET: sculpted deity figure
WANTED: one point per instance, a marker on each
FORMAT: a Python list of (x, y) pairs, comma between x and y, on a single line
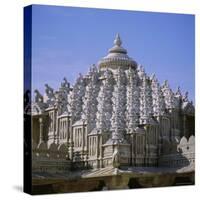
[(48, 90), (38, 97), (178, 92), (165, 84), (185, 98), (65, 83)]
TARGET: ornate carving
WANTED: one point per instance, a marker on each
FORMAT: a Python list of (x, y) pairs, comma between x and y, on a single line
[(146, 109), (119, 106), (168, 96), (76, 98), (104, 99), (133, 103), (157, 97), (90, 99)]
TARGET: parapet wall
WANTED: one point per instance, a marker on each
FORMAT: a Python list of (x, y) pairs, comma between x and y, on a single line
[(183, 156)]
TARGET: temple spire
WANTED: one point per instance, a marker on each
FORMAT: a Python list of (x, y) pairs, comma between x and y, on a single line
[(117, 40), (117, 54)]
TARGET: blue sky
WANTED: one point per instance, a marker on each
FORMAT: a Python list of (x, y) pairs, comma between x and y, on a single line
[(66, 41)]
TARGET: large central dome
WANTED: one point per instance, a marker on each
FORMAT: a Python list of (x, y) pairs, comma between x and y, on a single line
[(117, 57)]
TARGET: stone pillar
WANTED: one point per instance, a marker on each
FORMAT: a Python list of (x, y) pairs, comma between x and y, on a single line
[(100, 152), (55, 126), (86, 145), (71, 149), (68, 128), (97, 151), (41, 139), (71, 132), (83, 143), (132, 149), (146, 159), (56, 136)]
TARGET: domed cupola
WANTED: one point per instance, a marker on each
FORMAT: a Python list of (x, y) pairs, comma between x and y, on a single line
[(117, 57)]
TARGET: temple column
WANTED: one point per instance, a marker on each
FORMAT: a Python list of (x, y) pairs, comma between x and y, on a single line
[(82, 135), (55, 126), (100, 152), (57, 137), (132, 156), (68, 128), (41, 136), (71, 149)]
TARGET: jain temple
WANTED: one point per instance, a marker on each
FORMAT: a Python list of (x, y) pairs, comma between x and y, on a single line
[(115, 128)]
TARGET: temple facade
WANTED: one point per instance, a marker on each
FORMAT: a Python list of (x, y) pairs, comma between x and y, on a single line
[(114, 116)]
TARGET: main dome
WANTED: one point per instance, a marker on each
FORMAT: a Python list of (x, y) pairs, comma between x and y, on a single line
[(117, 57)]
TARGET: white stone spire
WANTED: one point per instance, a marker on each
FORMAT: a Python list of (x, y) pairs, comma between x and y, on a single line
[(119, 107), (104, 112), (117, 40), (157, 97), (146, 109), (133, 104), (77, 98), (90, 100), (168, 95)]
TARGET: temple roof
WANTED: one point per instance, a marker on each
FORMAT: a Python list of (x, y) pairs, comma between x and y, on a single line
[(117, 56), (117, 48)]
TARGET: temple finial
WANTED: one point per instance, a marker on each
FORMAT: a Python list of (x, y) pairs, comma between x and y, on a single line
[(165, 84), (117, 40), (153, 77), (178, 91)]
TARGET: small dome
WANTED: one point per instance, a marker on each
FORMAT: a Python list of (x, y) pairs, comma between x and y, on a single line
[(117, 56)]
